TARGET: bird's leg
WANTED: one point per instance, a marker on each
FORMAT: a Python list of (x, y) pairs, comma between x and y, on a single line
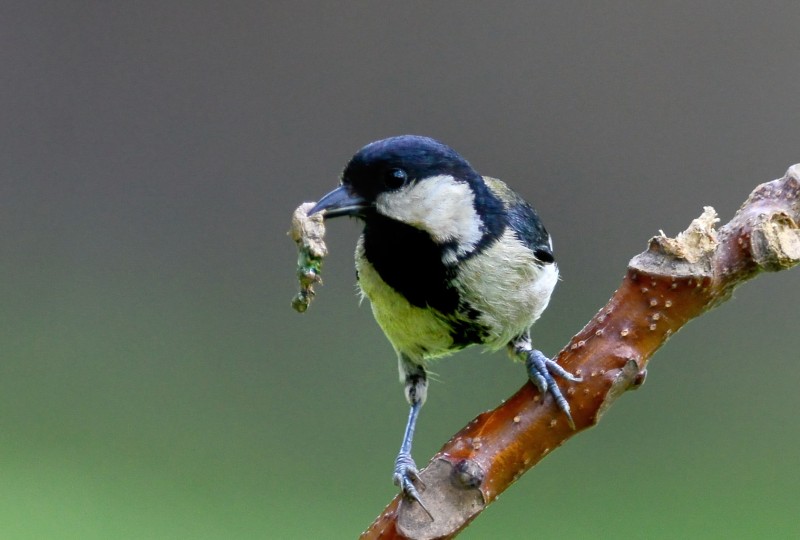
[(416, 389), (541, 370)]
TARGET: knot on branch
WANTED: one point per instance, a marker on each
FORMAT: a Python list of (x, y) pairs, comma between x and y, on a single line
[(452, 496), (688, 254), (776, 243), (696, 243), (775, 239)]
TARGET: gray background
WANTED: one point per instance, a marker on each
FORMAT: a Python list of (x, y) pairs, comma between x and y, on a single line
[(154, 382)]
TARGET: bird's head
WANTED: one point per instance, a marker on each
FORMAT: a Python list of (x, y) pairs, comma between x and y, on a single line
[(417, 181)]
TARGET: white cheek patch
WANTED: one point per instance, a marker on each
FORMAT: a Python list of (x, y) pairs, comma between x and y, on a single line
[(440, 205)]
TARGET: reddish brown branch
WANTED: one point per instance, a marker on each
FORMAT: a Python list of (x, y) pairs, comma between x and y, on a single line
[(672, 282)]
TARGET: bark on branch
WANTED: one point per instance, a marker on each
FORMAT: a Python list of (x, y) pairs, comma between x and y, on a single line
[(672, 282)]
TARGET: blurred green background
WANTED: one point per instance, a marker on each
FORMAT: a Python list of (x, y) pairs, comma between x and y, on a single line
[(154, 382)]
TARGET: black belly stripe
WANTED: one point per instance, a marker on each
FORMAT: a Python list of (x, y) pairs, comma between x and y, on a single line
[(409, 261), (466, 330)]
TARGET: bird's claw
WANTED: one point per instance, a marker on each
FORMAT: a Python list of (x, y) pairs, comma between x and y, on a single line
[(541, 371), (406, 477)]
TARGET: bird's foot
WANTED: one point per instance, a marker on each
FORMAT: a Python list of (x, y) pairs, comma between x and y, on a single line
[(541, 371), (406, 476)]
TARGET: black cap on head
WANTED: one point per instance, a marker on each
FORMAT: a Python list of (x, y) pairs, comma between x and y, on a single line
[(386, 164)]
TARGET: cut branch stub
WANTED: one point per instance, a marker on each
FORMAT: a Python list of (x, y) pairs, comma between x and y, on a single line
[(673, 281)]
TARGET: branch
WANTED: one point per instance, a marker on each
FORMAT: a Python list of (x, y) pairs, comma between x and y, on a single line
[(672, 282)]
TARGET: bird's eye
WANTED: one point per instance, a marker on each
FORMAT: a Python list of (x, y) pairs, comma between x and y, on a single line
[(396, 178)]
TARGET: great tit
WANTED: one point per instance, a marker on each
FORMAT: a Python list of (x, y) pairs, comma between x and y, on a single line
[(448, 259)]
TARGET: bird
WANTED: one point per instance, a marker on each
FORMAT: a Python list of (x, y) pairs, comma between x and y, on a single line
[(448, 259)]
